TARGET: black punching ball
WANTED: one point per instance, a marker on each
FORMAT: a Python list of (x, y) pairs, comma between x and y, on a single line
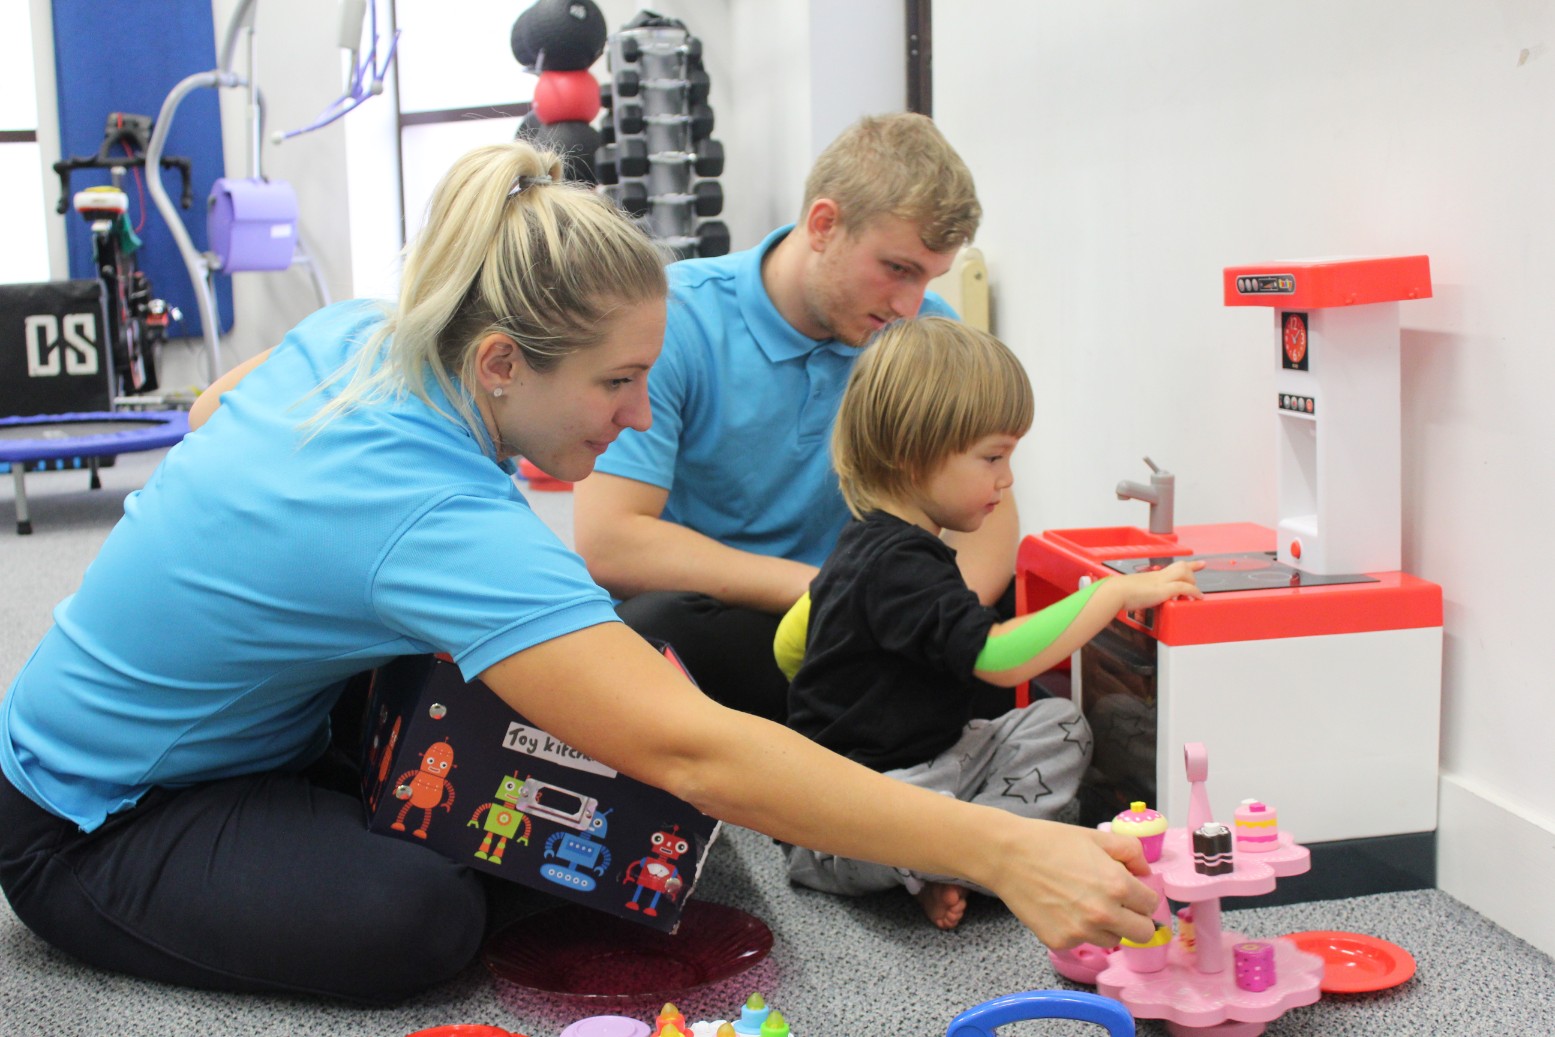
[(575, 141), (559, 35)]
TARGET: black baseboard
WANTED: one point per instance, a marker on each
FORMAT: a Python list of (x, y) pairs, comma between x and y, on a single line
[(1355, 868)]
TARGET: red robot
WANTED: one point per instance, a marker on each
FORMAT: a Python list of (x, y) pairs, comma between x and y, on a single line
[(426, 787), (656, 872)]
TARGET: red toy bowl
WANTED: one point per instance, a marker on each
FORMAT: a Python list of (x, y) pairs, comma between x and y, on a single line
[(1355, 963)]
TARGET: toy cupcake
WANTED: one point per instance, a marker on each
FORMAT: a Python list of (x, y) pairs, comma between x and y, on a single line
[(1146, 825)]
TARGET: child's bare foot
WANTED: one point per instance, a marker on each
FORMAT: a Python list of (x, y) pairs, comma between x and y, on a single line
[(943, 903)]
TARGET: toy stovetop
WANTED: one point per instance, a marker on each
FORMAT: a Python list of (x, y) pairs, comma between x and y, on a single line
[(1240, 571)]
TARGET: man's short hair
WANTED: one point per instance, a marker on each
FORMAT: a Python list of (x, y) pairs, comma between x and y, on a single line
[(926, 388), (898, 165)]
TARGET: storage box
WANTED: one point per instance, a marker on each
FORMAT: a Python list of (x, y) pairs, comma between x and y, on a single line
[(252, 224), (451, 765)]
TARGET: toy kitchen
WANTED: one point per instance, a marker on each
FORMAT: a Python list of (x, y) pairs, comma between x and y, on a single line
[(1312, 665)]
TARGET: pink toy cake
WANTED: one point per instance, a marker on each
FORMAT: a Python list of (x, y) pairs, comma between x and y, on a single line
[(1146, 825), (1257, 827)]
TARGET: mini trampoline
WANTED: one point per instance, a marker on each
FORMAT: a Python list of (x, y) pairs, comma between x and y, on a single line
[(90, 436)]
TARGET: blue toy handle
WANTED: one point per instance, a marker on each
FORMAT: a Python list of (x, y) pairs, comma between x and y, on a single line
[(982, 1020)]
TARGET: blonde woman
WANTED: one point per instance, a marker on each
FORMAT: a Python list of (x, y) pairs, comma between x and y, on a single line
[(168, 808)]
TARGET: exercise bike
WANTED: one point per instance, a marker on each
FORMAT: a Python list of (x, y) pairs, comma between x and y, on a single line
[(136, 321)]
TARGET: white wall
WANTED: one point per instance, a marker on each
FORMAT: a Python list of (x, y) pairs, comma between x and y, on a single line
[(1125, 157)]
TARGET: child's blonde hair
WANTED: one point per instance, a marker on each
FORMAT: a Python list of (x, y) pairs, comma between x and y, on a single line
[(924, 389), (897, 165), (508, 247)]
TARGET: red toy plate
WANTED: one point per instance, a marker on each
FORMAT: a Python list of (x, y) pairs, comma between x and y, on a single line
[(579, 953), (1354, 963), (465, 1030)]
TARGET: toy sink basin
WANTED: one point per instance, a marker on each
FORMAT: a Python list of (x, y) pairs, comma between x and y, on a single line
[(1118, 542)]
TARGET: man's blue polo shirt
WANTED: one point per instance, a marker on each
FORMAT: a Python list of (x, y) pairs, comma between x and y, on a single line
[(743, 406)]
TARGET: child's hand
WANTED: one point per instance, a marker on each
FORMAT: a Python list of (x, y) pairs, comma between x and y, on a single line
[(1144, 590)]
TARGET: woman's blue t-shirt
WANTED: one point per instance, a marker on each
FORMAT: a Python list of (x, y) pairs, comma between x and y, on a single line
[(256, 571)]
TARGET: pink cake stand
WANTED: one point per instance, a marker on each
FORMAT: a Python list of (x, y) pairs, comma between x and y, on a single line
[(1195, 992)]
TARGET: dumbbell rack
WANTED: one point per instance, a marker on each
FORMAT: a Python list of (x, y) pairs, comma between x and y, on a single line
[(658, 159)]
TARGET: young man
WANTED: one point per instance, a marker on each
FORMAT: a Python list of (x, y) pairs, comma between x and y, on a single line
[(712, 523)]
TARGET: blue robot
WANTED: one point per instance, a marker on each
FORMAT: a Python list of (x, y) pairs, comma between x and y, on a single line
[(581, 853)]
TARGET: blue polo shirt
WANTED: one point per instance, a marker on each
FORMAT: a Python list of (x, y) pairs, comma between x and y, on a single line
[(257, 570), (743, 406)]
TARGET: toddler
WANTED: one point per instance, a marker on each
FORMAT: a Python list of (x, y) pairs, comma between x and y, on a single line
[(896, 644)]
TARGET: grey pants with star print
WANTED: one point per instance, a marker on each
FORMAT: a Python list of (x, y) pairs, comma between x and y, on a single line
[(1028, 761)]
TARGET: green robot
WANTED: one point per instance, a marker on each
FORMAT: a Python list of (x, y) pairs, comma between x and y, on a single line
[(502, 820)]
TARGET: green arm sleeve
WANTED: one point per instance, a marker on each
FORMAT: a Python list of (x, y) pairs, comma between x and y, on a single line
[(1041, 629), (792, 633)]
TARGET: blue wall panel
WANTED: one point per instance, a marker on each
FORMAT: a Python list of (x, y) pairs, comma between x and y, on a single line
[(126, 56)]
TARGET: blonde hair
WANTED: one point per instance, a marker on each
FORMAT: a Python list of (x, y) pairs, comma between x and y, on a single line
[(898, 165), (510, 248), (924, 389)]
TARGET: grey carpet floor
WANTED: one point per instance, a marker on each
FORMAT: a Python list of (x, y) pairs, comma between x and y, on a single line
[(870, 967)]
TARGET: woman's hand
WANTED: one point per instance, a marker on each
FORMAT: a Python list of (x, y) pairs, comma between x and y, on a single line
[(1073, 885)]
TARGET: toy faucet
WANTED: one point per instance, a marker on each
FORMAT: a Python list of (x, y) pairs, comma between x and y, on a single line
[(1161, 495)]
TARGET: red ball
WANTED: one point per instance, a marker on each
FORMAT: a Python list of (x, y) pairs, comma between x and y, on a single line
[(566, 96)]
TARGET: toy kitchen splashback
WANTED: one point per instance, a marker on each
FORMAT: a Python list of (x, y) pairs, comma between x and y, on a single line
[(1336, 339), (1312, 664)]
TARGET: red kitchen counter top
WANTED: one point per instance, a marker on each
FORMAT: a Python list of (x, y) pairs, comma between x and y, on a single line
[(1047, 569)]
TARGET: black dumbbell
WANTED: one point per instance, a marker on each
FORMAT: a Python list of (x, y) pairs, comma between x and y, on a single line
[(629, 118), (710, 158), (701, 121), (628, 82), (607, 95), (605, 164), (633, 197), (632, 156), (709, 197), (607, 130), (712, 238), (630, 51), (698, 83)]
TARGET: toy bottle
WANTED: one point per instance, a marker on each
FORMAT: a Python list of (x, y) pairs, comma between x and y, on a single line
[(752, 1014), (669, 1017), (775, 1026)]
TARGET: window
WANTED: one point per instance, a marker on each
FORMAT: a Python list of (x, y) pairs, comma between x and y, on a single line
[(24, 208), (459, 87)]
